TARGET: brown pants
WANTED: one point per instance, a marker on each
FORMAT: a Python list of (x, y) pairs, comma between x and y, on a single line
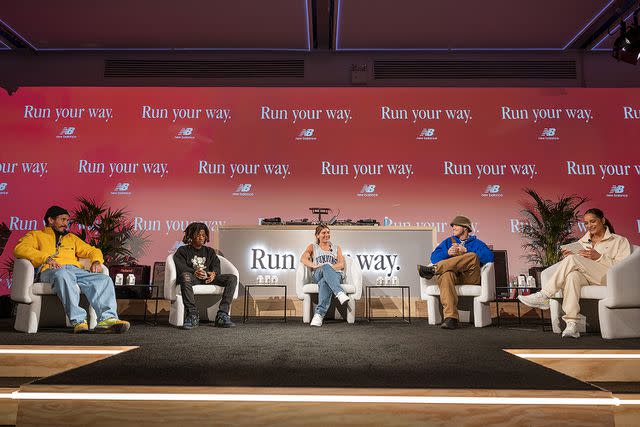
[(458, 270)]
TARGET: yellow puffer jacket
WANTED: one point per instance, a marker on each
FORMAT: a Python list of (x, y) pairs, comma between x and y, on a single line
[(38, 245)]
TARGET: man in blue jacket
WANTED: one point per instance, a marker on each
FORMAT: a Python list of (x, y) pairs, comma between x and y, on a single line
[(456, 261)]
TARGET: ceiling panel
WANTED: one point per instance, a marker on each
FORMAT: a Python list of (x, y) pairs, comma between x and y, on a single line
[(464, 24), (152, 24)]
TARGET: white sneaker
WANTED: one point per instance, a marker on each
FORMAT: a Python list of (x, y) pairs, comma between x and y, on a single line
[(571, 330), (537, 300), (317, 320), (342, 297)]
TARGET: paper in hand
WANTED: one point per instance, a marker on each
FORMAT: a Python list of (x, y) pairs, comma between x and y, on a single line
[(574, 247)]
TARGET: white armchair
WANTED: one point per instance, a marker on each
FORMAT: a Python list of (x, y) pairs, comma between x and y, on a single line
[(351, 284), (482, 295), (618, 301), (30, 296), (172, 293)]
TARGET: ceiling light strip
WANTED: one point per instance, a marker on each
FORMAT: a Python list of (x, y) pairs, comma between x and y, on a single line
[(588, 25), (17, 34)]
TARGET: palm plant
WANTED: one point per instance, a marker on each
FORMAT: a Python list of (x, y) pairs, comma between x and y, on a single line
[(109, 230), (547, 225)]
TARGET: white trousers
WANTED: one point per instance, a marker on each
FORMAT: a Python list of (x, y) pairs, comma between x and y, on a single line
[(574, 272)]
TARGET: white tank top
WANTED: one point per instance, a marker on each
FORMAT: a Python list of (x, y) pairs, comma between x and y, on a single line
[(320, 256)]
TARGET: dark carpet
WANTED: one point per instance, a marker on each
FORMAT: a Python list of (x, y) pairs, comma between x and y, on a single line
[(269, 354)]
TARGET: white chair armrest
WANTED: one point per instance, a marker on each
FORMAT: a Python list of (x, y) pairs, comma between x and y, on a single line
[(226, 267), (170, 276), (623, 288), (301, 276), (488, 283), (424, 283), (22, 281), (354, 276)]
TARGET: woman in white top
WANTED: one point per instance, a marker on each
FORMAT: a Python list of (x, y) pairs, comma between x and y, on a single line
[(602, 250), (327, 263)]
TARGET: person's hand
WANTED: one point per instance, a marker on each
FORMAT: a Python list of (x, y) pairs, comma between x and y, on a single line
[(590, 253), (462, 250), (52, 263), (315, 265), (200, 274), (210, 277), (453, 250), (566, 253), (96, 267)]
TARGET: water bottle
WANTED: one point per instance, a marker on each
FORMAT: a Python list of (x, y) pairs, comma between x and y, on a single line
[(131, 279), (119, 279)]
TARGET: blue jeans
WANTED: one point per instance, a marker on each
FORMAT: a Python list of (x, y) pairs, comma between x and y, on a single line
[(328, 281), (97, 287)]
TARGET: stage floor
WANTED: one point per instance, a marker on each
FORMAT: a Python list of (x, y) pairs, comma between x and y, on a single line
[(362, 355)]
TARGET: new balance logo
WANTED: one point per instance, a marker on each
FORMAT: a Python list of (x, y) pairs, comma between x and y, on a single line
[(549, 134), (492, 190), (427, 134), (617, 191), (121, 188), (306, 135), (243, 190), (185, 133), (67, 132), (3, 188), (368, 190)]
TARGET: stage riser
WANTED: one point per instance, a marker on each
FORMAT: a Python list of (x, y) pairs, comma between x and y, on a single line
[(8, 408), (596, 370), (22, 365), (117, 413)]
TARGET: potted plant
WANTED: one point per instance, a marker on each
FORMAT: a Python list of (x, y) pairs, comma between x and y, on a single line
[(547, 225), (109, 230)]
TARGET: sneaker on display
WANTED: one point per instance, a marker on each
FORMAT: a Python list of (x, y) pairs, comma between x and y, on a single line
[(537, 300), (192, 321), (317, 320), (342, 297), (223, 320), (113, 325), (80, 327), (571, 330)]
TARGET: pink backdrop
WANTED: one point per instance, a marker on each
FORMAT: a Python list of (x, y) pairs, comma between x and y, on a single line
[(403, 156)]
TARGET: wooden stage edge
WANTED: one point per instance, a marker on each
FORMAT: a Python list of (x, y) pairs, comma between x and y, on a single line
[(70, 405)]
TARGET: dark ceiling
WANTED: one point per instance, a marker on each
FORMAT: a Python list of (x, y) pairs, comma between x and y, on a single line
[(308, 25)]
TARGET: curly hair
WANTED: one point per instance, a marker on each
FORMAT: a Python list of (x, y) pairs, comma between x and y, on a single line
[(192, 231)]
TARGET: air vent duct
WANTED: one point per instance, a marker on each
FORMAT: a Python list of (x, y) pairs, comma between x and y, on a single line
[(447, 70), (206, 69)]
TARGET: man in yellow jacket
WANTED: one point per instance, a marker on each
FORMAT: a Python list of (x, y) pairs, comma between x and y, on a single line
[(55, 252)]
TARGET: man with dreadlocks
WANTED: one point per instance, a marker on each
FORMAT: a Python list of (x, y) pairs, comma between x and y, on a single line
[(197, 264)]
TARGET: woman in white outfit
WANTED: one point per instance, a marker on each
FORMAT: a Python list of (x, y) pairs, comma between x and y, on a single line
[(602, 250), (327, 263)]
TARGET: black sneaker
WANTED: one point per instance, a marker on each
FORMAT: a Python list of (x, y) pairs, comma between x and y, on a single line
[(450, 323), (223, 320), (192, 321), (426, 272)]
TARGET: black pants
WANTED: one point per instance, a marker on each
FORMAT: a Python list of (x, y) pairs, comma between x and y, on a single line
[(187, 281)]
